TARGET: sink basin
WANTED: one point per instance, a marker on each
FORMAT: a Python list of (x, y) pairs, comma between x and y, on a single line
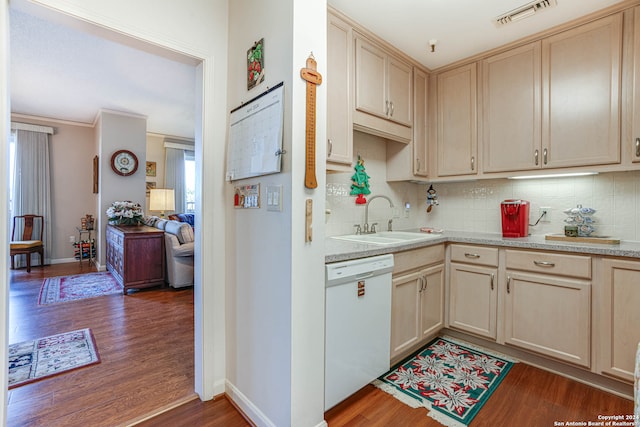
[(387, 237)]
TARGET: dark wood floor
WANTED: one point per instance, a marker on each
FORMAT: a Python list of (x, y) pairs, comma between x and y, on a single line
[(145, 341)]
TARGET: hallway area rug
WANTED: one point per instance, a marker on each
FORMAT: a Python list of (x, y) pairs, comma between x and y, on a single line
[(31, 361), (453, 380), (79, 286)]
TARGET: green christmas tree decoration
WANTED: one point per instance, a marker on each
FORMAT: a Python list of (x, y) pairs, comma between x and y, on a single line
[(360, 182)]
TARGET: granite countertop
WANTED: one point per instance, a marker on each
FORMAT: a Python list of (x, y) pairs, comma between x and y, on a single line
[(343, 250)]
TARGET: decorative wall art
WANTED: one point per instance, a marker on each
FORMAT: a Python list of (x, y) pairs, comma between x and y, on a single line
[(255, 64), (151, 185), (151, 168)]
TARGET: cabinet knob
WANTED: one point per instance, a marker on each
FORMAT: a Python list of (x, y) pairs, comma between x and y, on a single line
[(330, 148), (508, 284), (391, 103), (544, 264), (637, 147), (493, 276), (536, 156), (473, 163), (545, 156), (386, 110)]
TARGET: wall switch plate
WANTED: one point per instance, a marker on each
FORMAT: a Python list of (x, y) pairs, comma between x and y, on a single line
[(72, 239), (274, 198)]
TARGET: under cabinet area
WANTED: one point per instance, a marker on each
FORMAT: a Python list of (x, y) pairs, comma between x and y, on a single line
[(618, 318), (548, 304), (473, 291), (417, 311)]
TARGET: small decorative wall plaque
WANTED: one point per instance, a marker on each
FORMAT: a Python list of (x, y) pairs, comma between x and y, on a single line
[(151, 168), (255, 64)]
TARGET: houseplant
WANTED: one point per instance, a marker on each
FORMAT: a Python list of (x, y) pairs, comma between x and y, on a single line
[(125, 213)]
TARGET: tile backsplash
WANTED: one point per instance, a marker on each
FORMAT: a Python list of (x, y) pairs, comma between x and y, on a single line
[(475, 205)]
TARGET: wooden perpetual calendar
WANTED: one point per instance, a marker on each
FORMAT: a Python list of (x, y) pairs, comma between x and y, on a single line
[(313, 79)]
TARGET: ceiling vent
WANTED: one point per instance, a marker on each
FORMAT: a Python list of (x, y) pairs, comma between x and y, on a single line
[(524, 11)]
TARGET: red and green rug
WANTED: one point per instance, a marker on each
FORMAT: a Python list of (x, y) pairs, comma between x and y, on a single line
[(451, 379), (79, 286), (31, 361)]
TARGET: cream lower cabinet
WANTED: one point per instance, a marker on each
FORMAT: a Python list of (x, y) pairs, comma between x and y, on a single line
[(547, 304), (417, 312), (618, 318), (473, 294)]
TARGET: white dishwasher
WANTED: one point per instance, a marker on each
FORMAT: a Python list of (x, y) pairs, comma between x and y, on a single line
[(357, 325)]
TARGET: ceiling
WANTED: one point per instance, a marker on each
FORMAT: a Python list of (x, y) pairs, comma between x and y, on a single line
[(461, 27), (63, 72)]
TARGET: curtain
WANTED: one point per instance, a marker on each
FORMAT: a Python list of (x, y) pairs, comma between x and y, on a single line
[(174, 175), (31, 182)]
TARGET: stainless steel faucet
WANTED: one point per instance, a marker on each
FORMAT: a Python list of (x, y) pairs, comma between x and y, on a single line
[(365, 228)]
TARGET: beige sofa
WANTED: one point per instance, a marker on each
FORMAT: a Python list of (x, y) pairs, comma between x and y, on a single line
[(178, 240)]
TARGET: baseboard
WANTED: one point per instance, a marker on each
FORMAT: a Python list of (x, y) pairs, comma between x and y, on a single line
[(159, 411), (63, 260), (246, 407)]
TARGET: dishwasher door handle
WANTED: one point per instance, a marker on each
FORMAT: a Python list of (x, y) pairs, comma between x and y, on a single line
[(364, 275)]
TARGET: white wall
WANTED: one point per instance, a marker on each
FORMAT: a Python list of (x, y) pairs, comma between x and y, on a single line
[(276, 294), (197, 29)]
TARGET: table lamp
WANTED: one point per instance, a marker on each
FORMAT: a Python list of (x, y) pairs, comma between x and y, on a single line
[(162, 199)]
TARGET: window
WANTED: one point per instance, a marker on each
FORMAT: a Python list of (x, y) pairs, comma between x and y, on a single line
[(190, 181)]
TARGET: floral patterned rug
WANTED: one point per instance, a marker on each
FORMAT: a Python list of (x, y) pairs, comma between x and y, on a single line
[(31, 361), (451, 379), (79, 286)]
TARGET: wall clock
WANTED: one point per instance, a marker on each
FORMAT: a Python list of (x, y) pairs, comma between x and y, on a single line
[(124, 162)]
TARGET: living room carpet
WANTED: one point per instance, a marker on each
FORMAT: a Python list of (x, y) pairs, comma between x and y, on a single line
[(79, 286), (451, 379), (31, 361)]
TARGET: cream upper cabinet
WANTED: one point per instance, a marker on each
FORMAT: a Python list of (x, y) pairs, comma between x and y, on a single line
[(339, 82), (581, 72), (511, 110), (635, 115), (409, 161), (383, 90), (618, 318), (548, 304), (457, 133)]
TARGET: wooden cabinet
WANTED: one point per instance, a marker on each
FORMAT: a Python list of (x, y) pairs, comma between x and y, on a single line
[(409, 162), (383, 92), (135, 255), (635, 111), (581, 72), (618, 318), (548, 304), (339, 82), (417, 312), (473, 291), (457, 133), (511, 110)]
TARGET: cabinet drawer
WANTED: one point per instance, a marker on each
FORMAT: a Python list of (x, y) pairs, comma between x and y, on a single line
[(550, 263), (417, 258), (474, 255)]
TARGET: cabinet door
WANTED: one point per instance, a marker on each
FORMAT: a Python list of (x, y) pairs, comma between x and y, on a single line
[(457, 122), (581, 95), (473, 299), (511, 110), (432, 301), (635, 118), (405, 312), (339, 86), (399, 91), (371, 77), (549, 315), (619, 318)]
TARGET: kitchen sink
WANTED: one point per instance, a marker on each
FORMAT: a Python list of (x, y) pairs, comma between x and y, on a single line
[(388, 237)]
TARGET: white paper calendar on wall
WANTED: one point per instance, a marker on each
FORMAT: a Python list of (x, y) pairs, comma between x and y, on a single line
[(255, 136)]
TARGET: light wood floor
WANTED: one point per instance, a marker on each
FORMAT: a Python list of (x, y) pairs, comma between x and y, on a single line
[(130, 382), (145, 342)]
